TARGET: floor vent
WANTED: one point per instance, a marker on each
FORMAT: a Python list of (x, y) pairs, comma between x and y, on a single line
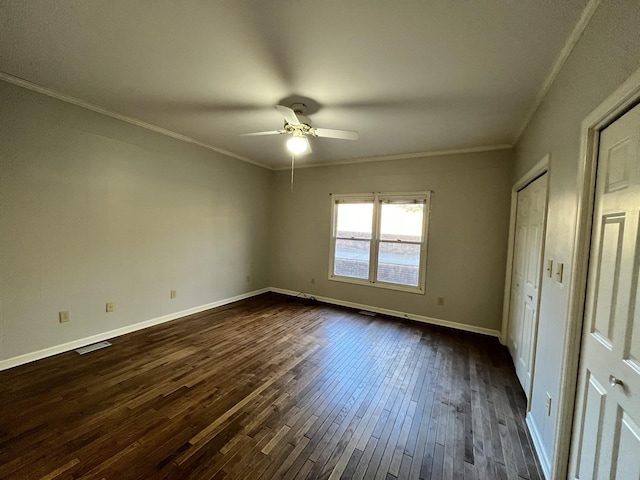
[(370, 314), (93, 347)]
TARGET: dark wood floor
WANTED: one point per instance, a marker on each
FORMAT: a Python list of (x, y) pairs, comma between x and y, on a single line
[(270, 388)]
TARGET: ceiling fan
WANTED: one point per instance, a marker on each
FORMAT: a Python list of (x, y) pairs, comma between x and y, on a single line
[(299, 127)]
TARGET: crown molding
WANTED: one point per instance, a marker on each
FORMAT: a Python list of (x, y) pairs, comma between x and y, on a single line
[(20, 82), (571, 42), (405, 156)]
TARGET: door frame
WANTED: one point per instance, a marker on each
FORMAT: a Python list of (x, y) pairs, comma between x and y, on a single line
[(618, 103), (538, 170)]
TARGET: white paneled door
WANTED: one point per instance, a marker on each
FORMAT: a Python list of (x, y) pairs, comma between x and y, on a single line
[(525, 280), (606, 440)]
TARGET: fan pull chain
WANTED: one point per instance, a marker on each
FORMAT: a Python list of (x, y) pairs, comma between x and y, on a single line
[(293, 160)]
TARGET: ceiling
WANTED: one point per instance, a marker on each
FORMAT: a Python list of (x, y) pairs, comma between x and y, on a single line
[(411, 76)]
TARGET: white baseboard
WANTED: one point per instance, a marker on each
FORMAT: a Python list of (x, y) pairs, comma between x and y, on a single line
[(65, 347), (537, 444), (396, 313)]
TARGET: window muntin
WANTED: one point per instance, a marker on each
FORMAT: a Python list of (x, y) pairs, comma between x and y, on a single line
[(380, 240)]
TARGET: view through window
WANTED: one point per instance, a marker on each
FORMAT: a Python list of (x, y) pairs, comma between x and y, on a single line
[(380, 239)]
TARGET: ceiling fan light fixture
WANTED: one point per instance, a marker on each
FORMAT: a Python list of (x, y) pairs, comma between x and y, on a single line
[(297, 144)]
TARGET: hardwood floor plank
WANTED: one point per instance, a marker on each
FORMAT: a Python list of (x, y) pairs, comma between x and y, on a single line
[(385, 468), (286, 465), (59, 471), (350, 441), (396, 460), (365, 458), (270, 388), (354, 460)]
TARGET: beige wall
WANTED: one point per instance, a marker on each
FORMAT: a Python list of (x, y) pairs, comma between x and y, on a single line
[(467, 239), (93, 209), (606, 55)]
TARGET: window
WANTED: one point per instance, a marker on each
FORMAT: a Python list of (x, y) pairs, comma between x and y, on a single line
[(380, 239)]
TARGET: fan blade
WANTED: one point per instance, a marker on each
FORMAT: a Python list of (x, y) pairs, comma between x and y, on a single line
[(341, 134), (272, 132), (288, 114)]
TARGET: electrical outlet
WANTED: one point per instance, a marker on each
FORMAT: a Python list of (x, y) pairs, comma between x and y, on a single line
[(173, 294), (109, 307), (313, 281), (440, 300), (248, 278), (63, 317), (548, 405)]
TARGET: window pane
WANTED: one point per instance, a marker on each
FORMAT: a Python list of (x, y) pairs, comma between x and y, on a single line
[(402, 221), (352, 258), (399, 263), (354, 220)]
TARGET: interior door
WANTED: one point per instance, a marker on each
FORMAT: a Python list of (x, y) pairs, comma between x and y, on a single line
[(526, 273), (606, 440)]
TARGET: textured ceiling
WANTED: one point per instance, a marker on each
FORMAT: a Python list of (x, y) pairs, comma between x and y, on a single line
[(411, 76)]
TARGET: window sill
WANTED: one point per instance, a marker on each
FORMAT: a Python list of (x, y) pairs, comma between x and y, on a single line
[(387, 286)]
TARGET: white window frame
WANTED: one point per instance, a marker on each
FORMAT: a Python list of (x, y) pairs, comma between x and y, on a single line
[(377, 199)]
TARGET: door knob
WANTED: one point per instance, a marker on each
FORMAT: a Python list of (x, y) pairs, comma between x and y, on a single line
[(615, 381)]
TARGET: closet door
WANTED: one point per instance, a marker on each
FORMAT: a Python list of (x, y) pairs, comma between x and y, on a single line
[(525, 282), (606, 440)]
